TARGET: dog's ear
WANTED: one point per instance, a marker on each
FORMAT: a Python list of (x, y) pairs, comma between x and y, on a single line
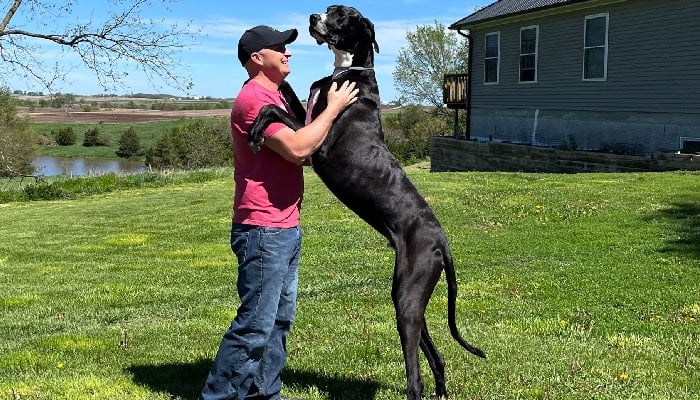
[(369, 26)]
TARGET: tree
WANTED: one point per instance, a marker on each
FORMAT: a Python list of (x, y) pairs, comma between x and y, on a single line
[(407, 132), (64, 136), (93, 137), (129, 144), (62, 100), (110, 48), (197, 145), (16, 140), (165, 152), (432, 52)]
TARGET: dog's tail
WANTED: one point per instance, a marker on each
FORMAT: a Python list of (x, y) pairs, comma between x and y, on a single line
[(451, 277)]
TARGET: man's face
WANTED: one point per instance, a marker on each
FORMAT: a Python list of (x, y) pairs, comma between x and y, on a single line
[(275, 59)]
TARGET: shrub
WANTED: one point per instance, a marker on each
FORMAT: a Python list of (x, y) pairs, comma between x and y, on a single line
[(93, 137), (165, 106), (64, 136), (224, 104), (16, 139), (129, 144), (44, 191), (9, 196), (165, 153), (206, 144), (76, 187), (43, 140), (407, 133), (196, 145)]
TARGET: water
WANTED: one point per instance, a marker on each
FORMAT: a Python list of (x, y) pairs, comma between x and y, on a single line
[(51, 166)]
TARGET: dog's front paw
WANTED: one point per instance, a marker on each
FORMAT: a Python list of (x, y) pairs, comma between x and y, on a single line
[(255, 145)]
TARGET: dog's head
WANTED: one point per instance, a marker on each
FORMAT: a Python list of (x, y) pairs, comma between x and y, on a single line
[(344, 29)]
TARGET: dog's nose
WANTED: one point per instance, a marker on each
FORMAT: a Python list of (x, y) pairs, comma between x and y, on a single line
[(314, 18)]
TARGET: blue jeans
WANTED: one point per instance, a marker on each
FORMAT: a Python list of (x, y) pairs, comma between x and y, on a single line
[(253, 351)]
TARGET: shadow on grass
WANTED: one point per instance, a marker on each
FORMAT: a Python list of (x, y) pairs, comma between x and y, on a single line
[(336, 388), (185, 380), (181, 380), (685, 215)]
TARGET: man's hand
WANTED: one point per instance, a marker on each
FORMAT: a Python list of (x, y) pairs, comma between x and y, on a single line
[(298, 146), (341, 97)]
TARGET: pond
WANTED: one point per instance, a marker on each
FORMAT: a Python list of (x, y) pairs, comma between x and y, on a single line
[(52, 166)]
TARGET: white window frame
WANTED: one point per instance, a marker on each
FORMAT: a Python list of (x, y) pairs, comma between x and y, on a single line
[(536, 53), (604, 46), (498, 58)]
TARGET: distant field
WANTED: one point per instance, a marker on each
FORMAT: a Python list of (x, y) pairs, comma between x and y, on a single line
[(115, 116)]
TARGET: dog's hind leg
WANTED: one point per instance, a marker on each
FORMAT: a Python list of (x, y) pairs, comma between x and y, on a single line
[(436, 362), (408, 323), (416, 273)]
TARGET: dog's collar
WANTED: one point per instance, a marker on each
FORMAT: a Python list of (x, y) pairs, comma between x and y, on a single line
[(341, 70)]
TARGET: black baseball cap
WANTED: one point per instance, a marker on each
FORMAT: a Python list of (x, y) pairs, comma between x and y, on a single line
[(261, 36)]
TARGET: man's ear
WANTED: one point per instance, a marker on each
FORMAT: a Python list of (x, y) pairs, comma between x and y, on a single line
[(256, 58)]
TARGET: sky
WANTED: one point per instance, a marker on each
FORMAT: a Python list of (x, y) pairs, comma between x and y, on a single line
[(212, 62)]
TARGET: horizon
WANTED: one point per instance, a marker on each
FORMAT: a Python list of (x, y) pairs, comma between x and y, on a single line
[(139, 95)]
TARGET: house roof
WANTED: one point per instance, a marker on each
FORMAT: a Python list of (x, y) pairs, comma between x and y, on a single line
[(506, 8)]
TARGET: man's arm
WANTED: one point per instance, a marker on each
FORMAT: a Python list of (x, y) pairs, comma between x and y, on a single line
[(297, 146)]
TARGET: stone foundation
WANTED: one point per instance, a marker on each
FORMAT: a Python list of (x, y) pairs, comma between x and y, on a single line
[(450, 154)]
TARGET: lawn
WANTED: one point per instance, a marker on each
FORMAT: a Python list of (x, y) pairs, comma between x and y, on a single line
[(578, 286)]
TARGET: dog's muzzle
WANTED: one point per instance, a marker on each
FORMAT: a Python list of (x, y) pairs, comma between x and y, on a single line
[(317, 27)]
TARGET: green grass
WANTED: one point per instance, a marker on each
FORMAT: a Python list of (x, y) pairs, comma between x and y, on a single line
[(62, 187), (581, 286), (148, 133)]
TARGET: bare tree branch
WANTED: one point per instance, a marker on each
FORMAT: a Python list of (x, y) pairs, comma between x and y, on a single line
[(10, 14), (8, 171), (111, 49)]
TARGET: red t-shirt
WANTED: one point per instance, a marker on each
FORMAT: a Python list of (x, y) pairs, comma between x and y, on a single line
[(269, 188)]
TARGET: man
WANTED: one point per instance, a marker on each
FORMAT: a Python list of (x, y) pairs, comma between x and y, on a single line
[(265, 234)]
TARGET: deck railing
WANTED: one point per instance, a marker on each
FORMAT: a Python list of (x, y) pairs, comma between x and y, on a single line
[(455, 95), (454, 90)]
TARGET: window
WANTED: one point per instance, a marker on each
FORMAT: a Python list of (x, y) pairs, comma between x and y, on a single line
[(491, 57), (528, 54), (690, 145), (595, 51)]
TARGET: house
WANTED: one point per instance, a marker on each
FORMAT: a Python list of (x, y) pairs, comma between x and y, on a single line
[(615, 75)]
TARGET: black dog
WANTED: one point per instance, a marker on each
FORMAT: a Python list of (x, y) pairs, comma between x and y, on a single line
[(357, 167)]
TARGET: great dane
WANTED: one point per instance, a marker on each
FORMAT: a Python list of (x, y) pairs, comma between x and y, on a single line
[(359, 169)]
